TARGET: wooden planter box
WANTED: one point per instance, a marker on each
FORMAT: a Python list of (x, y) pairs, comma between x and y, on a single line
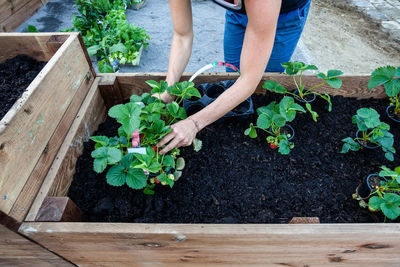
[(34, 128), (15, 12), (129, 244)]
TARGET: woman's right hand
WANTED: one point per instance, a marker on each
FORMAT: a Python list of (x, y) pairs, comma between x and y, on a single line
[(165, 97)]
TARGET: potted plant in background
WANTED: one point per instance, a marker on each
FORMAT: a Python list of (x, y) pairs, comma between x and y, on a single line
[(301, 93), (273, 119), (389, 77)]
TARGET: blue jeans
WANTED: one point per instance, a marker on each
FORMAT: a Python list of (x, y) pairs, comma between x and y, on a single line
[(288, 31)]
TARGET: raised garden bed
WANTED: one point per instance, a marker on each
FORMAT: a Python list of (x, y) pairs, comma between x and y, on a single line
[(173, 244), (33, 129)]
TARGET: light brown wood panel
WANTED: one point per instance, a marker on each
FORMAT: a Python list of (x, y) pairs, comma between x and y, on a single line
[(16, 250), (353, 86), (10, 7), (59, 177), (118, 244), (35, 180), (59, 209), (19, 15), (30, 44), (28, 126)]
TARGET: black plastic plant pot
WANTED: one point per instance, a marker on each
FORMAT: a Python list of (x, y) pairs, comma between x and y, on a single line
[(309, 97), (391, 115), (242, 107), (194, 108), (368, 145), (215, 91), (287, 129), (363, 190)]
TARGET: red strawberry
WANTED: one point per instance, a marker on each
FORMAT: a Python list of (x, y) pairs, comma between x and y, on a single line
[(155, 149), (156, 180), (273, 146)]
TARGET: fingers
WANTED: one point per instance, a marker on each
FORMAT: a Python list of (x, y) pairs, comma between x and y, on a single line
[(175, 139), (166, 139)]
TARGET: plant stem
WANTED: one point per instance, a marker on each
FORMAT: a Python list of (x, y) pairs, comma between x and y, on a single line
[(318, 85)]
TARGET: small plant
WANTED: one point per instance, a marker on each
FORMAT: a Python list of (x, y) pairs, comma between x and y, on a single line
[(292, 69), (149, 118), (271, 119), (387, 76), (385, 196), (372, 130)]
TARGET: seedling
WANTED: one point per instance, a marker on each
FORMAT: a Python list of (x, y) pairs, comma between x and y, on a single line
[(302, 93), (152, 118), (271, 119), (373, 131), (388, 76), (385, 196)]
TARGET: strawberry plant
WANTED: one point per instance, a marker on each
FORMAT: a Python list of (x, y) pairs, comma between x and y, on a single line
[(272, 119), (372, 131), (388, 76), (152, 118), (296, 70), (385, 196)]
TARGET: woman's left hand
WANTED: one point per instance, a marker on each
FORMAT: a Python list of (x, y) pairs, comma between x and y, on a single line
[(183, 133)]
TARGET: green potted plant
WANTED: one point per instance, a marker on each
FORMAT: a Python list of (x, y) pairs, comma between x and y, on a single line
[(389, 77), (303, 94), (132, 156), (273, 119), (381, 191), (371, 133)]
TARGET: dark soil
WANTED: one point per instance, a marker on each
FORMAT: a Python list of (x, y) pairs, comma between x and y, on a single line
[(235, 179), (15, 76)]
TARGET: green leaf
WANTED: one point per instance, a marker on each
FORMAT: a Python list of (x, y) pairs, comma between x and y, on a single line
[(114, 155), (393, 87), (32, 28), (135, 98), (136, 178), (335, 82), (99, 164), (197, 144), (391, 204), (101, 152), (263, 122), (313, 113), (192, 91), (275, 87), (128, 115), (118, 48), (334, 73), (375, 203), (284, 147), (169, 161), (153, 84), (116, 175), (102, 140), (127, 160), (381, 75), (350, 144), (180, 164), (251, 131), (173, 108), (92, 50), (148, 191), (279, 120)]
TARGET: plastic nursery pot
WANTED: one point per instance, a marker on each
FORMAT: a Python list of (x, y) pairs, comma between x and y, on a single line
[(194, 108), (370, 184), (366, 145), (215, 91), (309, 98), (391, 115), (242, 107), (287, 129)]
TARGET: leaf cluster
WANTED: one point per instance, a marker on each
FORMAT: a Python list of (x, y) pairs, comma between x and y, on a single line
[(272, 118), (386, 197), (373, 131), (152, 118), (389, 77), (296, 70)]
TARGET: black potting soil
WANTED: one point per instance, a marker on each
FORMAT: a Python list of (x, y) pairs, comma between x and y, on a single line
[(15, 76), (235, 179)]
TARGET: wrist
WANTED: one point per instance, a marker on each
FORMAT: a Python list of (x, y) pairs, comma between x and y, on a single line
[(196, 124)]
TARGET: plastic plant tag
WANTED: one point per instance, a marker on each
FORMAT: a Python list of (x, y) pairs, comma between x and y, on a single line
[(115, 66), (139, 150)]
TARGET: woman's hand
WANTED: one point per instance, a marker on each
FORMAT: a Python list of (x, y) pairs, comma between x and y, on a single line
[(165, 97), (183, 133)]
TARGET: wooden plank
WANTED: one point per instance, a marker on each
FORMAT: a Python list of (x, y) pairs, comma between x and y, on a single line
[(59, 177), (304, 220), (20, 16), (16, 250), (28, 126), (353, 86), (10, 7), (35, 180), (55, 42), (30, 44), (118, 244), (110, 91), (58, 209)]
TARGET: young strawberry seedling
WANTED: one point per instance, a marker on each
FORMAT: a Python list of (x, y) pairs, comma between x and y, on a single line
[(272, 119), (388, 76), (152, 118), (302, 93), (373, 131)]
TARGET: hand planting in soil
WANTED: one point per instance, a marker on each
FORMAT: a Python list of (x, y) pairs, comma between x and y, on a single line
[(151, 119), (387, 76), (272, 119), (301, 93), (384, 195), (372, 131)]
